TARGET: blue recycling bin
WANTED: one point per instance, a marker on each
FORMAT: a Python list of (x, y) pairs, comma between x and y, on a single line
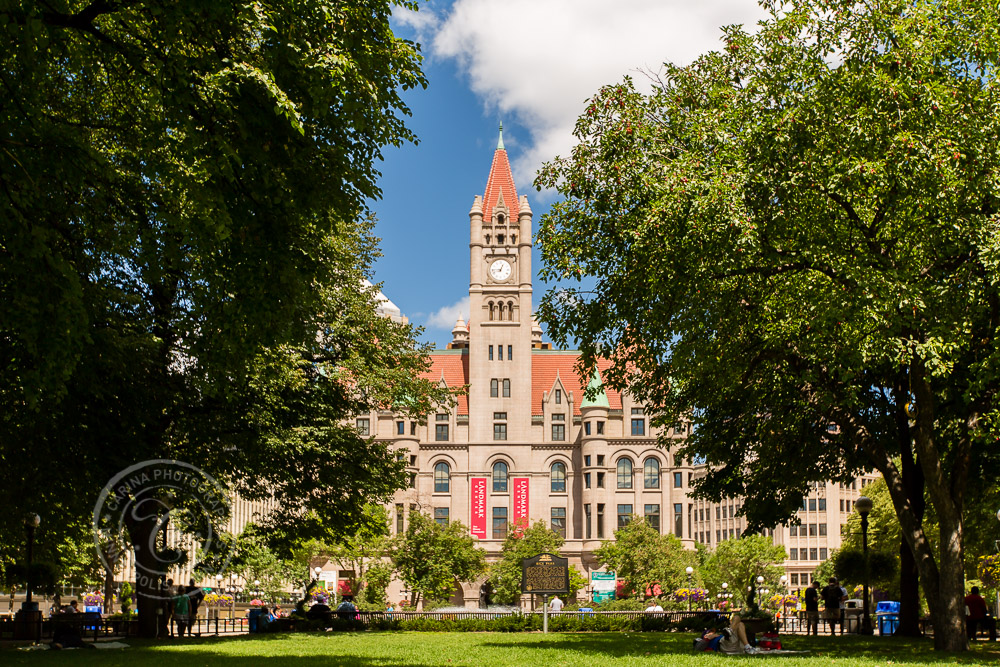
[(887, 613)]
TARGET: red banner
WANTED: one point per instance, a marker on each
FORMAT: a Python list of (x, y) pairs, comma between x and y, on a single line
[(477, 511), (521, 520)]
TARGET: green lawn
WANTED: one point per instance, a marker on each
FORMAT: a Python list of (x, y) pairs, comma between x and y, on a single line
[(490, 650)]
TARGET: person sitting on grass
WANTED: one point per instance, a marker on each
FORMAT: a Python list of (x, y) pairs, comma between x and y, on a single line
[(727, 640)]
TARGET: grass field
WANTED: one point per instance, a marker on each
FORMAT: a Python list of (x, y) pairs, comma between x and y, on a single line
[(390, 649)]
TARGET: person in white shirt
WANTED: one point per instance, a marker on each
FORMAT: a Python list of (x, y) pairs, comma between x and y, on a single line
[(654, 605), (555, 604)]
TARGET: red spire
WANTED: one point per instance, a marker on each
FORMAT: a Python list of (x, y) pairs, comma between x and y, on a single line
[(500, 182)]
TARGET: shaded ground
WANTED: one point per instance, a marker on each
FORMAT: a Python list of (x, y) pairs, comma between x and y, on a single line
[(398, 649)]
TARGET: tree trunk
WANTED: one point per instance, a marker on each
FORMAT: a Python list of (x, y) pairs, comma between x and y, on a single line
[(913, 484), (148, 594)]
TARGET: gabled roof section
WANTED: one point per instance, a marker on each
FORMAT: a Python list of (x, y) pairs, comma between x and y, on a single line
[(453, 367), (500, 182), (601, 399), (546, 365)]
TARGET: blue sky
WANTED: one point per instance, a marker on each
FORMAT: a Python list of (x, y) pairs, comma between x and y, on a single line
[(531, 64)]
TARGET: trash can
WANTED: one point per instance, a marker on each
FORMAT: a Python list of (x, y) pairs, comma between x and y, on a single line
[(887, 614)]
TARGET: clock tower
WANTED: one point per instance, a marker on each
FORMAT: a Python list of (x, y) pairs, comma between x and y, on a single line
[(500, 309)]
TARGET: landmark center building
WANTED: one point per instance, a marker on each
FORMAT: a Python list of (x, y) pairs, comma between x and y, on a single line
[(524, 444)]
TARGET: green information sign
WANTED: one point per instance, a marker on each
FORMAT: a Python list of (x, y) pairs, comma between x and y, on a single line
[(602, 586)]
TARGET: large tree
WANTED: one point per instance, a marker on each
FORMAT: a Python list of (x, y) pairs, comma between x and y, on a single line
[(183, 243), (794, 240), (642, 558), (432, 558)]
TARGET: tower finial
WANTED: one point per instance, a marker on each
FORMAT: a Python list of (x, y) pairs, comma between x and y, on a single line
[(500, 141)]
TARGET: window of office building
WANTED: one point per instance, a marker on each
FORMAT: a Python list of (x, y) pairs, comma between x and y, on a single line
[(399, 518), (793, 530), (510, 352), (812, 504), (679, 519), (441, 428), (499, 429), (651, 473), (441, 515), (600, 428), (400, 428), (559, 521), (557, 478), (813, 554), (600, 480), (505, 385), (491, 353), (812, 530), (494, 388), (587, 518), (624, 473), (624, 514), (822, 553), (586, 480), (822, 529), (822, 504), (364, 426), (678, 480), (652, 514), (500, 471), (499, 523), (558, 396), (586, 428), (442, 478), (793, 554), (600, 521)]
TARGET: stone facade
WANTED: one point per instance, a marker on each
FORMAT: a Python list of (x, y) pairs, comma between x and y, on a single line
[(525, 424)]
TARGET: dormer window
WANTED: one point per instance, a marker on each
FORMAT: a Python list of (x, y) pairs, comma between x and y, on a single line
[(500, 219)]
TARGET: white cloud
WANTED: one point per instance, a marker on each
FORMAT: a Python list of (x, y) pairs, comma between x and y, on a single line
[(540, 59), (445, 317)]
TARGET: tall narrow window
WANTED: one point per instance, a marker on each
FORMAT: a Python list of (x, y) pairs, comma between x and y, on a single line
[(587, 518), (559, 521), (364, 426), (499, 523), (624, 473), (652, 514), (413, 428), (506, 388), (492, 317), (442, 478), (441, 515), (441, 428), (500, 477), (501, 318), (400, 428), (678, 480), (679, 519), (558, 396), (624, 515), (557, 477), (500, 352), (638, 422), (491, 350), (399, 518), (586, 428), (494, 388), (559, 427), (600, 521), (600, 428), (510, 353), (510, 310), (651, 474)]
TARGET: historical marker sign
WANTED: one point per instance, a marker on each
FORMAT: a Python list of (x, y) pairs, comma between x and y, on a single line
[(545, 574)]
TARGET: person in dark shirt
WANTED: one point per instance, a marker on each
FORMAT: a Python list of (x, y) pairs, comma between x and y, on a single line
[(832, 596), (812, 608)]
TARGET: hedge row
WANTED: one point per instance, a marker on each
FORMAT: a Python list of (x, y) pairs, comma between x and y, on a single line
[(512, 623)]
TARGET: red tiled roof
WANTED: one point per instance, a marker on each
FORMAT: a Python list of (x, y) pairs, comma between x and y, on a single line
[(546, 365), (500, 180), (455, 370)]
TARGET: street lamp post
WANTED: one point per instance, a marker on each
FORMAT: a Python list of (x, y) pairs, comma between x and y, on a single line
[(864, 505), (784, 600), (690, 571)]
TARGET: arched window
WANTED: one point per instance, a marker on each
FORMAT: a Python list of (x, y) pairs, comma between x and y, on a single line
[(500, 314), (494, 388), (442, 478), (510, 310), (500, 477), (624, 473), (500, 219), (651, 473), (557, 477), (491, 311)]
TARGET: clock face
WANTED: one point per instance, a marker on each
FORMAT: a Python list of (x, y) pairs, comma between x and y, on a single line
[(500, 270)]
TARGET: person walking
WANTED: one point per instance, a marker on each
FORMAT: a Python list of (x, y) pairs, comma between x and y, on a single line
[(812, 608), (555, 604), (975, 607)]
